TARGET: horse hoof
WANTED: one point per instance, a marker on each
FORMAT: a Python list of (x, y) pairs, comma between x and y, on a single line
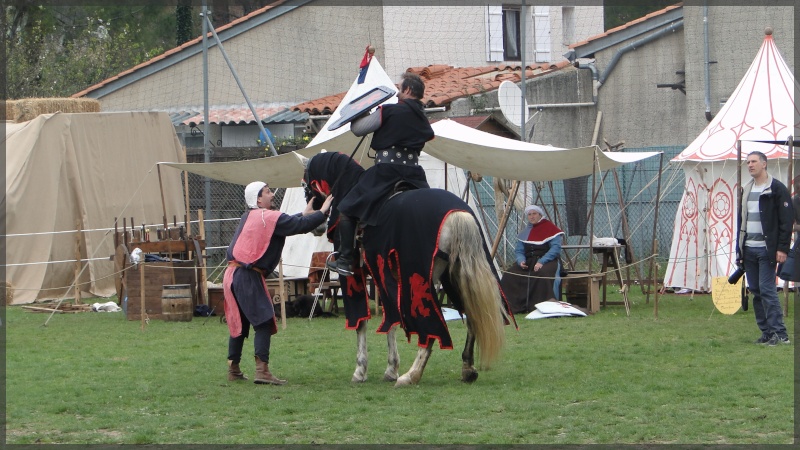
[(469, 376), (389, 377), (403, 381), (356, 379)]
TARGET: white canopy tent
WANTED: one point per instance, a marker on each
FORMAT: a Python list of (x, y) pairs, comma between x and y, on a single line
[(762, 108)]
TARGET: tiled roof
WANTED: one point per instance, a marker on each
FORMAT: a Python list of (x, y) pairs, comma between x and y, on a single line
[(240, 115), (444, 83), (627, 25)]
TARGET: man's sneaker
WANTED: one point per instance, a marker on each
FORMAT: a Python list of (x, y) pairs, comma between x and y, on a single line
[(762, 340), (775, 340)]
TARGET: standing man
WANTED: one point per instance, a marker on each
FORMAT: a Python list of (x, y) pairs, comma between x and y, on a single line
[(765, 228), (401, 131), (254, 253)]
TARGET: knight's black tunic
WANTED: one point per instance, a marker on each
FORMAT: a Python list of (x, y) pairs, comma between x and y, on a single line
[(404, 128)]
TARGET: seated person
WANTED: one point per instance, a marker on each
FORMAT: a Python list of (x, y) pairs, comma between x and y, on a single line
[(536, 276)]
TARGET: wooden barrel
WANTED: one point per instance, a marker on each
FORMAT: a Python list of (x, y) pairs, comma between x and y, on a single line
[(176, 303)]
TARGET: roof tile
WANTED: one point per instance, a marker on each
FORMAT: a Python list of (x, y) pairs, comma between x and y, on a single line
[(444, 84)]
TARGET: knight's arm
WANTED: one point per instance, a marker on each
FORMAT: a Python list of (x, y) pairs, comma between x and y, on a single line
[(366, 124)]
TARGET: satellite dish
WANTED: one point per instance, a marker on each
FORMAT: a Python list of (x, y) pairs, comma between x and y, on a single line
[(509, 96)]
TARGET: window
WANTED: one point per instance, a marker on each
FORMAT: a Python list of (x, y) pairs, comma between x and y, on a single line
[(511, 34), (503, 33)]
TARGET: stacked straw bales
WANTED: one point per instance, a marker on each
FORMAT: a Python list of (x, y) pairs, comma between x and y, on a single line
[(26, 109)]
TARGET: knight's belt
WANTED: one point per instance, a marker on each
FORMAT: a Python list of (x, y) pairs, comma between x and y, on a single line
[(398, 155), (248, 267)]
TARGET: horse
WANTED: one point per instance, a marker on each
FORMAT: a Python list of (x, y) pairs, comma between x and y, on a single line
[(423, 237)]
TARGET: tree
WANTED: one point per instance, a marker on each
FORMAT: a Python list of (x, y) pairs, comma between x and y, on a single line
[(183, 16), (620, 12), (56, 51)]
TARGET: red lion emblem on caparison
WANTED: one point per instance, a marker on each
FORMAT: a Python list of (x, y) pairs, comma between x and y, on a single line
[(420, 292)]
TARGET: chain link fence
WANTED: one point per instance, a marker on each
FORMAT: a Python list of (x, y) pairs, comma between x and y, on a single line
[(635, 186), (224, 204)]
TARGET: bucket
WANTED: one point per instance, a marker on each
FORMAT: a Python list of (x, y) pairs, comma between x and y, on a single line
[(176, 303)]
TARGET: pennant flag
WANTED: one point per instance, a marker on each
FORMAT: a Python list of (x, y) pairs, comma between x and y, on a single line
[(364, 66)]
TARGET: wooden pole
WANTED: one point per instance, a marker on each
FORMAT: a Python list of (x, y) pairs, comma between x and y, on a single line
[(163, 203), (791, 186), (626, 232), (77, 283), (188, 215), (653, 274), (202, 257), (282, 292), (503, 221), (141, 291), (653, 265)]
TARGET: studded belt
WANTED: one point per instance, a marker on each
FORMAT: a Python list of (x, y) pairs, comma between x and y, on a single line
[(397, 155)]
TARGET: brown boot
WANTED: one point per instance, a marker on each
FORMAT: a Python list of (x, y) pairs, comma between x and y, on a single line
[(234, 373), (263, 375)]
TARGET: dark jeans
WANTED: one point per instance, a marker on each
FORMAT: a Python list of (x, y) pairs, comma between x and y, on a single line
[(261, 342), (760, 273)]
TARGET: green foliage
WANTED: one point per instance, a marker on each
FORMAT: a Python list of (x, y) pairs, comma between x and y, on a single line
[(56, 51), (620, 12), (690, 376), (183, 14)]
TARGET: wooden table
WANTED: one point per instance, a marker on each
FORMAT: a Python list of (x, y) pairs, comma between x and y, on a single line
[(610, 260)]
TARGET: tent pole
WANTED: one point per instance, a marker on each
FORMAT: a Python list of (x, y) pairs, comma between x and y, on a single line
[(78, 262), (507, 213), (591, 215), (653, 275), (791, 186), (655, 293), (163, 203), (141, 291), (186, 226), (626, 232), (739, 194)]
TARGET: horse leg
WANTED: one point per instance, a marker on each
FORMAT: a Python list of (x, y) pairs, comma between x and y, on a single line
[(468, 372), (415, 373), (360, 374), (393, 359)]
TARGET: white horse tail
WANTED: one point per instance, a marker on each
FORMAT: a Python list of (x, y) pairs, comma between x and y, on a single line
[(476, 282)]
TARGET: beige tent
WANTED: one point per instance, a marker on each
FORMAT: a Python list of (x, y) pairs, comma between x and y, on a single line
[(70, 170)]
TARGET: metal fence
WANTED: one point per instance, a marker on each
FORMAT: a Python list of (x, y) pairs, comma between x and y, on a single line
[(638, 186), (226, 201)]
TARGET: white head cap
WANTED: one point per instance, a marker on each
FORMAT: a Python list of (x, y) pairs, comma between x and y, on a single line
[(251, 193), (535, 208)]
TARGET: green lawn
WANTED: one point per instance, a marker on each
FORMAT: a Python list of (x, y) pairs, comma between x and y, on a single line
[(692, 375)]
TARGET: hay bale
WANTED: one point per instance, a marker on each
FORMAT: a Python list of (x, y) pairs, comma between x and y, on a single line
[(8, 293), (11, 112), (28, 108)]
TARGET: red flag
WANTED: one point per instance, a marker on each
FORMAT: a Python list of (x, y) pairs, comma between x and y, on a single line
[(364, 66)]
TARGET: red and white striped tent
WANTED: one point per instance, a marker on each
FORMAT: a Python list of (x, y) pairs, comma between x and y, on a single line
[(762, 108)]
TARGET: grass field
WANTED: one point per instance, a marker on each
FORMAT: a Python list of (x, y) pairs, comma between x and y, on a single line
[(691, 376)]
